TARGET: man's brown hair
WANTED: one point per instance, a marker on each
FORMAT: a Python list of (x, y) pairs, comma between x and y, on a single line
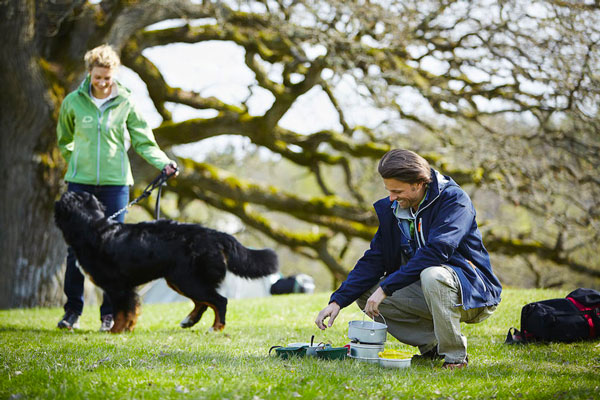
[(405, 166)]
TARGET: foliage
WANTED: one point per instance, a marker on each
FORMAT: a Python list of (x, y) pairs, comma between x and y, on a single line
[(160, 360)]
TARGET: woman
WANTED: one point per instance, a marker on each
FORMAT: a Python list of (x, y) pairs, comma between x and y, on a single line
[(92, 127)]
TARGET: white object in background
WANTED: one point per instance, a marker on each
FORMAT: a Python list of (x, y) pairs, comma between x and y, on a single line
[(232, 287), (235, 287)]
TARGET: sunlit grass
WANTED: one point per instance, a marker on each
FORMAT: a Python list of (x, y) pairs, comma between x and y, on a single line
[(161, 361)]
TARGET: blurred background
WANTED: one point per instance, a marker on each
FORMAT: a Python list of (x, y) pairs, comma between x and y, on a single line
[(278, 112)]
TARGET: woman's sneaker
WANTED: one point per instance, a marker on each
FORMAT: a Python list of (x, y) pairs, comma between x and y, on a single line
[(69, 321), (107, 322)]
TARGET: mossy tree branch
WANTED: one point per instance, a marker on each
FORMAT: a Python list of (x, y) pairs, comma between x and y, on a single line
[(497, 102), (296, 241)]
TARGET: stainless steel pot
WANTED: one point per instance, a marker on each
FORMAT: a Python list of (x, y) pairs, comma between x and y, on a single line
[(367, 331), (366, 352)]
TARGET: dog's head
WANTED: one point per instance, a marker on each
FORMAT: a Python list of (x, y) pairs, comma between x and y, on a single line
[(73, 208)]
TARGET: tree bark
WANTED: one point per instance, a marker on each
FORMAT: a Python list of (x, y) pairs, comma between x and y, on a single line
[(31, 247)]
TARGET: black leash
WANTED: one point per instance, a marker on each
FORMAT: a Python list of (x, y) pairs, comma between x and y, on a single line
[(158, 182)]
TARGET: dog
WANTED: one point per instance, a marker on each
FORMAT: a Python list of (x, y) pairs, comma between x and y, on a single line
[(118, 257)]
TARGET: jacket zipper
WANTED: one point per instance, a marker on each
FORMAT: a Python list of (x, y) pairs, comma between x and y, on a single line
[(421, 220), (482, 282), (417, 229), (100, 113), (106, 124), (420, 231), (479, 278), (422, 237)]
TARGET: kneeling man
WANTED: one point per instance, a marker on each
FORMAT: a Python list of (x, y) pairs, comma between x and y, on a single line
[(426, 270)]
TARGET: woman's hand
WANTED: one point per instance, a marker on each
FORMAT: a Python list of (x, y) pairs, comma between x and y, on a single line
[(171, 169)]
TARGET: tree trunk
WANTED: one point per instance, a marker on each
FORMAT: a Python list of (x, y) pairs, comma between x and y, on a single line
[(32, 250)]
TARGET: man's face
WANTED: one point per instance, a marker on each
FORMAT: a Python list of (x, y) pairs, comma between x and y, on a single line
[(406, 194)]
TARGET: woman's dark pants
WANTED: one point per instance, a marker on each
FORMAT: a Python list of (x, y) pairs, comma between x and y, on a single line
[(114, 198)]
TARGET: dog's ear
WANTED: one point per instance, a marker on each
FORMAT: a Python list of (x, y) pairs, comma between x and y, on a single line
[(86, 197), (102, 206), (63, 209), (93, 203), (75, 198)]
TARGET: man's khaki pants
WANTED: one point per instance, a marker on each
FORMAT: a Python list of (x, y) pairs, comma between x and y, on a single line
[(427, 313)]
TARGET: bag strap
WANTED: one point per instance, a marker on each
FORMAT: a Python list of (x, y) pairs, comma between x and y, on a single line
[(587, 315), (514, 336)]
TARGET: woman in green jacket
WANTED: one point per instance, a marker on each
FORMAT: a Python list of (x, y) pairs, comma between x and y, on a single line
[(92, 136)]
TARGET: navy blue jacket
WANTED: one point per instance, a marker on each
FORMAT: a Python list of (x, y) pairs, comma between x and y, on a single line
[(446, 234)]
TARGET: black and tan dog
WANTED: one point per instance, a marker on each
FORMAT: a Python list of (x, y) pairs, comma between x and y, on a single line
[(118, 257)]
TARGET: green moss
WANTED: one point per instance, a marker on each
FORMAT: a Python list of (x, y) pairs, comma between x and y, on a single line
[(327, 202), (496, 176), (245, 117), (477, 174), (187, 163), (234, 183), (264, 51), (238, 36), (369, 230), (230, 203), (56, 90), (377, 147)]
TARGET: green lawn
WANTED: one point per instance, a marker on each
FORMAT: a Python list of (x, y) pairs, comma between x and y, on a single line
[(160, 360)]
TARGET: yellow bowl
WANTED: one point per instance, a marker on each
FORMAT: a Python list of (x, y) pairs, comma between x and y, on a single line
[(394, 354)]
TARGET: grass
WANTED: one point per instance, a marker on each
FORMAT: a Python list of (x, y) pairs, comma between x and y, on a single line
[(162, 361)]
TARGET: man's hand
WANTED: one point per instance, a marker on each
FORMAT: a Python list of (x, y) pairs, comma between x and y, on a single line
[(331, 311), (372, 307)]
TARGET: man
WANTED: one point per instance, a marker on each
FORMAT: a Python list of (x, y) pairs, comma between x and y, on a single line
[(427, 269)]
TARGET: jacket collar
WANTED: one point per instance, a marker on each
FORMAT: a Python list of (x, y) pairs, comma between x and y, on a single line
[(84, 88)]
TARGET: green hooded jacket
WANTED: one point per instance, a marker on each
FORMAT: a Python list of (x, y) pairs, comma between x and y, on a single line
[(92, 140)]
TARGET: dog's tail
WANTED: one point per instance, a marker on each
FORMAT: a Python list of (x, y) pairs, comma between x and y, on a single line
[(250, 263)]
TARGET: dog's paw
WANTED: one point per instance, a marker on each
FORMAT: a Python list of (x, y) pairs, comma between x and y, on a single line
[(216, 328), (187, 322)]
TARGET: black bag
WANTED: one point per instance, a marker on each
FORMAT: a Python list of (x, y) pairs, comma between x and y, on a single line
[(576, 317), (300, 283)]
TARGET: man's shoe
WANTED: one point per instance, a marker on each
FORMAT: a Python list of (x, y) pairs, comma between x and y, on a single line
[(107, 323), (458, 365), (69, 321), (431, 355)]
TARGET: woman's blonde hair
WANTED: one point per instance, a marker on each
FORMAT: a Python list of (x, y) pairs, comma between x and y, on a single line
[(102, 56)]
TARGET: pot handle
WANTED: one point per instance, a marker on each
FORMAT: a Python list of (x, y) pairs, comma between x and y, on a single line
[(380, 315), (273, 347)]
